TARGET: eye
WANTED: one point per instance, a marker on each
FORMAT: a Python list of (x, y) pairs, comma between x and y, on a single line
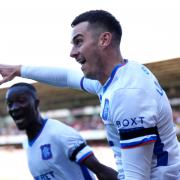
[(9, 104), (78, 42), (22, 100)]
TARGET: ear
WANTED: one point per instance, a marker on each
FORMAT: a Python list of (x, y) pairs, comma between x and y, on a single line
[(37, 103), (105, 39)]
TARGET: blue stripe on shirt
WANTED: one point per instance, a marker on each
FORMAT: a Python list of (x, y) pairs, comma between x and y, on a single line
[(138, 142)]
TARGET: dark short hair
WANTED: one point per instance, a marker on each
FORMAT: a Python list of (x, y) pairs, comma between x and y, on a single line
[(29, 87), (103, 19)]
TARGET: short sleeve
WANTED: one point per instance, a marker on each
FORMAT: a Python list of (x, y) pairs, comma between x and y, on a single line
[(76, 148)]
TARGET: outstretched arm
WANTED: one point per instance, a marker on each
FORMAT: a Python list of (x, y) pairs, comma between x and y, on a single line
[(56, 76), (9, 72), (102, 171)]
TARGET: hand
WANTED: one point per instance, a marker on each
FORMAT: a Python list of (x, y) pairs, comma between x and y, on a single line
[(9, 72)]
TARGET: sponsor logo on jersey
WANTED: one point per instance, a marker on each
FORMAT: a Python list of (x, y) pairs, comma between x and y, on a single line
[(46, 176), (46, 151), (130, 122)]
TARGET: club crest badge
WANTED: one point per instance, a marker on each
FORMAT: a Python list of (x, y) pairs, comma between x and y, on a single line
[(105, 110), (46, 152)]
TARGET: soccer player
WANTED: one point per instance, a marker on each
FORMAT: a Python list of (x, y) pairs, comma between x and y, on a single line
[(55, 150), (134, 108)]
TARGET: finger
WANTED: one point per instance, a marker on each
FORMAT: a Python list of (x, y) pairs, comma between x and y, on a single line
[(4, 80)]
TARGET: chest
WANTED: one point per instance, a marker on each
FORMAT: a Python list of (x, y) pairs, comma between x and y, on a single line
[(44, 155)]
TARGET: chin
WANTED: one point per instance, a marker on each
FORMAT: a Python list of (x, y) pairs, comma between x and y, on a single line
[(89, 75), (21, 127)]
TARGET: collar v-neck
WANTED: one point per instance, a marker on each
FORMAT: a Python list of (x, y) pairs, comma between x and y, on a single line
[(108, 82)]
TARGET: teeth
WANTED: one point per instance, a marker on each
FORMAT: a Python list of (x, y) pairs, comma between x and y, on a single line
[(19, 121), (81, 61)]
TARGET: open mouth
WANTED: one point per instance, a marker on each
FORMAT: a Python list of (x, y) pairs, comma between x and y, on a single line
[(19, 121), (81, 61), (18, 118)]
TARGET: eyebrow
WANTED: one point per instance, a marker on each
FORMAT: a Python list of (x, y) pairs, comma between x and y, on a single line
[(75, 37)]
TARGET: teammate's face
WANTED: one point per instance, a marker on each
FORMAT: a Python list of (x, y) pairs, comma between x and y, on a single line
[(22, 107), (86, 50)]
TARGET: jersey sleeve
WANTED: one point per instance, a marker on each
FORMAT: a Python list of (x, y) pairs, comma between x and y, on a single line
[(134, 115), (81, 153), (56, 76), (76, 148), (137, 161), (90, 86)]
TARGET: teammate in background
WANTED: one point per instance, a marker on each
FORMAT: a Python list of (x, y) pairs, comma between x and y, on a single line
[(55, 150), (134, 108)]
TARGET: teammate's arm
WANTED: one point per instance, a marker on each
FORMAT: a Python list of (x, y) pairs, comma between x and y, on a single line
[(102, 171), (78, 151)]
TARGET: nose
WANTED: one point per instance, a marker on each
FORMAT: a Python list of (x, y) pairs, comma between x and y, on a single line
[(74, 53)]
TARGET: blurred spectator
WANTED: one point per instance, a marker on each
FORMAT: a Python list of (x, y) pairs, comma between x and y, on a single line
[(176, 116), (79, 123)]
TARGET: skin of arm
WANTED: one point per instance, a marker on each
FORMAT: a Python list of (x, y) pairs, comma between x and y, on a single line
[(102, 172)]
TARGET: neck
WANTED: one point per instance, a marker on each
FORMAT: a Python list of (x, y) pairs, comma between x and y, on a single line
[(109, 65), (35, 128)]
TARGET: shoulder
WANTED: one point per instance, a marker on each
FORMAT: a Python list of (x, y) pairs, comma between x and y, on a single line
[(60, 127), (91, 86), (56, 124)]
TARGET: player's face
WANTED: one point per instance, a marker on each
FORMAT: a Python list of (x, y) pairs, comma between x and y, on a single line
[(21, 107), (86, 50)]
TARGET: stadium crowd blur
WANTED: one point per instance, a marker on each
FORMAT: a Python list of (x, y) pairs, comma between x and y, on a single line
[(7, 126), (84, 123)]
